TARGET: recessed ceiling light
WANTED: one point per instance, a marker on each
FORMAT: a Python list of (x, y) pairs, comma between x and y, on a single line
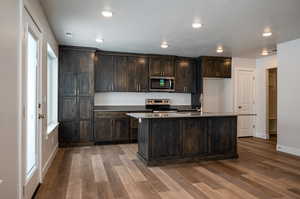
[(267, 34), (196, 25), (107, 13), (264, 53), (69, 34), (164, 45), (99, 40), (220, 49)]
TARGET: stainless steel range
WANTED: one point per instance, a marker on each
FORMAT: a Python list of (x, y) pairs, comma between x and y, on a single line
[(160, 105)]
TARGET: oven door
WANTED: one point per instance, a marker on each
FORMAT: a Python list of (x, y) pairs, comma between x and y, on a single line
[(166, 84)]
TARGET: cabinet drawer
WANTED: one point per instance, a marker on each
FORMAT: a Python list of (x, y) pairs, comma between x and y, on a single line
[(100, 114)]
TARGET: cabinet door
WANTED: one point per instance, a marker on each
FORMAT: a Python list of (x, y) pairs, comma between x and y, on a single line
[(120, 130), (209, 67), (165, 139), (85, 108), (85, 131), (68, 84), (155, 66), (104, 68), (142, 74), (194, 136), (84, 84), (69, 109), (167, 64), (120, 74), (103, 129), (132, 79), (68, 132), (184, 76), (222, 135), (226, 68)]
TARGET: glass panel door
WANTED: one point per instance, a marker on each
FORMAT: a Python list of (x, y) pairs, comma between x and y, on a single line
[(31, 117)]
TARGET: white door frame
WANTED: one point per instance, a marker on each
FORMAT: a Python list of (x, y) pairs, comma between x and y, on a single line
[(30, 26), (236, 70)]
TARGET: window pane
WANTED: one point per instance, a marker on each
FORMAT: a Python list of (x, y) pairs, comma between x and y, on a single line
[(31, 126), (52, 101)]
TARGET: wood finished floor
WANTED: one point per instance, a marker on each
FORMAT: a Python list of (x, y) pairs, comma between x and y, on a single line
[(114, 172)]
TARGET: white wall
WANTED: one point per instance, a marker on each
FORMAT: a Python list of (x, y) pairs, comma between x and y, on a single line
[(262, 65), (289, 97), (124, 98), (10, 15), (49, 142), (212, 94)]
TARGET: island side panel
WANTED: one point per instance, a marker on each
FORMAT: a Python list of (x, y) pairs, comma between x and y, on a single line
[(222, 134), (143, 138)]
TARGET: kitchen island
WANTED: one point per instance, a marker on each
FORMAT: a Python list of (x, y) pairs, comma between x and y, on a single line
[(185, 137)]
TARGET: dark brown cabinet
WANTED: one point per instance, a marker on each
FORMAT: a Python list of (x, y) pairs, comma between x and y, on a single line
[(162, 66), (218, 67), (111, 127), (137, 74), (104, 72), (186, 139), (165, 138), (194, 137), (76, 91), (120, 74), (184, 75), (221, 134)]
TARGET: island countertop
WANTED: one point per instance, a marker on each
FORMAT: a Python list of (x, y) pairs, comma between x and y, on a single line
[(180, 115)]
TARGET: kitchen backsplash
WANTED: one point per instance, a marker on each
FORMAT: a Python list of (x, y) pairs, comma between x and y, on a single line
[(126, 98)]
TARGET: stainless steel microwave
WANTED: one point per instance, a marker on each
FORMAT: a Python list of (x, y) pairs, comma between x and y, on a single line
[(166, 84)]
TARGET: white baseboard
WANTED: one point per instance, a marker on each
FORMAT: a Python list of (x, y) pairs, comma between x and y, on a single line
[(49, 161), (287, 149), (261, 135)]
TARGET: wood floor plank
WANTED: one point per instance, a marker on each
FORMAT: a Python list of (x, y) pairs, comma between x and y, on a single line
[(115, 172)]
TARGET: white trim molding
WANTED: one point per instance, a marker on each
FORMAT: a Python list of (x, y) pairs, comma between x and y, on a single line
[(287, 149), (261, 135), (49, 161)]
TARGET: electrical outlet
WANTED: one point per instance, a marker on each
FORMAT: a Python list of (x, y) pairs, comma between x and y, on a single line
[(1, 181)]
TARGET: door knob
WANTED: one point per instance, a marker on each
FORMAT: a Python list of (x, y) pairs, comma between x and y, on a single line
[(41, 116), (240, 107)]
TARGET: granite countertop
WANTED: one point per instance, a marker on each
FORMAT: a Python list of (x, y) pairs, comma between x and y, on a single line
[(178, 115), (137, 108)]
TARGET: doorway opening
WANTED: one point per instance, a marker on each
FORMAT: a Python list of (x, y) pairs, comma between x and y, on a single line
[(272, 104)]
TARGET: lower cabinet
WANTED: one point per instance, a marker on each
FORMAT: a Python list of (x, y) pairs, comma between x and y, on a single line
[(194, 137), (111, 127), (221, 133), (165, 138), (186, 139)]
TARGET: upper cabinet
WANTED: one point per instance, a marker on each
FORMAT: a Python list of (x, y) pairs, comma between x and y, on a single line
[(162, 66), (217, 67), (104, 72), (121, 73), (185, 68), (138, 72)]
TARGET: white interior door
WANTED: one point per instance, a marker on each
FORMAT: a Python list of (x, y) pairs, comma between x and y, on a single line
[(245, 101), (31, 96)]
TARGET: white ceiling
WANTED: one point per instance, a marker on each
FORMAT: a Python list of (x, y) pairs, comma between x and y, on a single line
[(141, 25)]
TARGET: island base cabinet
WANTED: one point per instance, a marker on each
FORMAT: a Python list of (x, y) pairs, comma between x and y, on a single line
[(177, 140), (222, 135), (165, 138)]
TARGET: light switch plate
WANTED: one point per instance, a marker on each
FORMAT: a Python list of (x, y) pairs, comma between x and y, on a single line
[(1, 181)]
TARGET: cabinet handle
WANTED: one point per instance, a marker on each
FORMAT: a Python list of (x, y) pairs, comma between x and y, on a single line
[(139, 87)]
